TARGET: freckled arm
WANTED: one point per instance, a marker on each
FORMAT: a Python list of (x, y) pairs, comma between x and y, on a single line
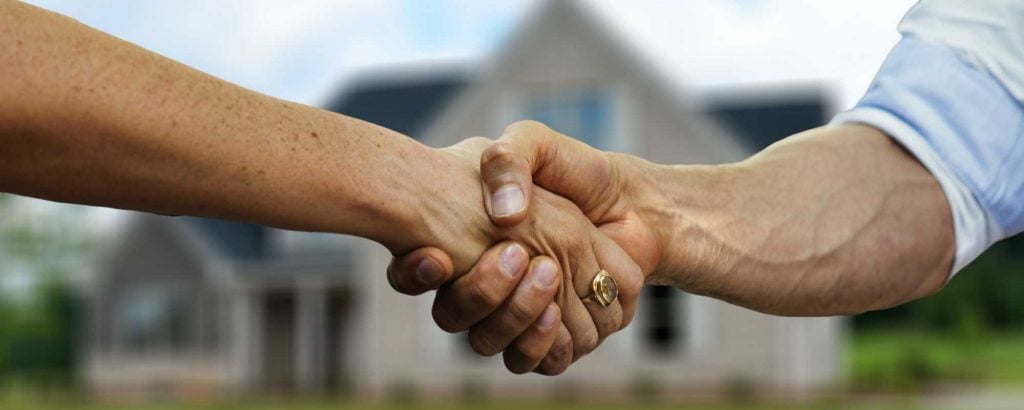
[(87, 118)]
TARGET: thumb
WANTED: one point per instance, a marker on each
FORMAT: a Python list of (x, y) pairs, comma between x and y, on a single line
[(531, 153)]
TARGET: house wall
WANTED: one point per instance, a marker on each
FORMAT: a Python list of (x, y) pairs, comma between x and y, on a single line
[(725, 343), (151, 255)]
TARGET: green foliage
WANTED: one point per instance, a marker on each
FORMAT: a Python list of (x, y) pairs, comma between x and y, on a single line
[(38, 322), (987, 295), (910, 361), (37, 340)]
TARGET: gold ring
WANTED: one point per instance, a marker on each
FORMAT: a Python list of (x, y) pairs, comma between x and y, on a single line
[(603, 289)]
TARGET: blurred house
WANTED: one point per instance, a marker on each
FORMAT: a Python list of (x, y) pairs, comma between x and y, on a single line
[(193, 306)]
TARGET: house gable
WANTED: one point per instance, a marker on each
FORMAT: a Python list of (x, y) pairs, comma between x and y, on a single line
[(152, 255), (565, 47)]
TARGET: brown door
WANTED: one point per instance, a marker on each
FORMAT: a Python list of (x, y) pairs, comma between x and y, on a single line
[(279, 341)]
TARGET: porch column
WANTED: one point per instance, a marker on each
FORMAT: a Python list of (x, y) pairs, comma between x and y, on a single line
[(244, 336)]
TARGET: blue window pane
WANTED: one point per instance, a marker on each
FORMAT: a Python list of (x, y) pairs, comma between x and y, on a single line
[(586, 114), (594, 119)]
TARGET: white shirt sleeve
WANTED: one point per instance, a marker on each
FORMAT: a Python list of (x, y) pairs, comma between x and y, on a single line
[(989, 33), (950, 92)]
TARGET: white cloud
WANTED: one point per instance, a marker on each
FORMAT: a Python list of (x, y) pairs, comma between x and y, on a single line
[(711, 44)]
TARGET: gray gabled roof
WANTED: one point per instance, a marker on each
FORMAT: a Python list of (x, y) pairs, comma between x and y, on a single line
[(400, 102), (761, 123), (407, 104), (244, 250), (232, 240)]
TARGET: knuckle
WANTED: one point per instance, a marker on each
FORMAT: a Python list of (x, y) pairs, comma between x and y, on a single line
[(519, 360), (634, 285), (532, 352), (615, 322), (522, 126), (479, 140), (556, 361), (553, 370), (521, 312), (497, 153), (483, 344), (526, 127), (585, 343), (480, 296), (625, 318)]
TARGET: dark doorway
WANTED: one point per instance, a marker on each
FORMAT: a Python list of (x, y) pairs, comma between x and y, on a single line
[(664, 330), (338, 306), (279, 341)]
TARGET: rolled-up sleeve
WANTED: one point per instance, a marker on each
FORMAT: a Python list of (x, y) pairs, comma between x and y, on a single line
[(946, 105)]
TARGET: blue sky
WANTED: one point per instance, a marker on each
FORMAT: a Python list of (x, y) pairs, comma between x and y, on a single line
[(303, 50), (300, 49)]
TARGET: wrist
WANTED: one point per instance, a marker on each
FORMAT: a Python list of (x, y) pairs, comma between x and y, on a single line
[(444, 207), (688, 206)]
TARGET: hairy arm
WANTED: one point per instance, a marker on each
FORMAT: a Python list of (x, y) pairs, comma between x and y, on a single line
[(835, 220), (88, 118)]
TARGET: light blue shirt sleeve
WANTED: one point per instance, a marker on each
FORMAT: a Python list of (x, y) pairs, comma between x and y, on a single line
[(964, 125)]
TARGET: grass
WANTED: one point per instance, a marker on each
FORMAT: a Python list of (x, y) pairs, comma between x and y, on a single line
[(42, 403), (905, 360)]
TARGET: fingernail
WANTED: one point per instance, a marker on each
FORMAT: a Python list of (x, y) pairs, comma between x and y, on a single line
[(428, 272), (547, 319), (512, 260), (544, 273), (507, 200)]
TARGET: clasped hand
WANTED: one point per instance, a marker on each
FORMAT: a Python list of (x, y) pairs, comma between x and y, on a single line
[(525, 295)]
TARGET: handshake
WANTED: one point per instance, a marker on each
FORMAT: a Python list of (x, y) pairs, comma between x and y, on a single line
[(555, 259), (571, 256)]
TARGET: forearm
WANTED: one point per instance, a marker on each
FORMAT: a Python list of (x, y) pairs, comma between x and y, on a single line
[(836, 220), (87, 118)]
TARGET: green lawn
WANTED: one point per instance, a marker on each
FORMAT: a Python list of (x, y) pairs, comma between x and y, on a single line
[(37, 403), (903, 360)]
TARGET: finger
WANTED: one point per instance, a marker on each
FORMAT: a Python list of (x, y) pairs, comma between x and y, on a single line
[(420, 270), (559, 357), (531, 153), (533, 294), (527, 351), (475, 295), (506, 173), (607, 319), (629, 279)]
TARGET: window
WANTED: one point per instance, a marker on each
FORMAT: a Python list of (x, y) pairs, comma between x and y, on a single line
[(582, 113), (664, 327), (153, 318)]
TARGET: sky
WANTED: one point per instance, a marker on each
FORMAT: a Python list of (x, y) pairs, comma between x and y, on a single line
[(305, 50)]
